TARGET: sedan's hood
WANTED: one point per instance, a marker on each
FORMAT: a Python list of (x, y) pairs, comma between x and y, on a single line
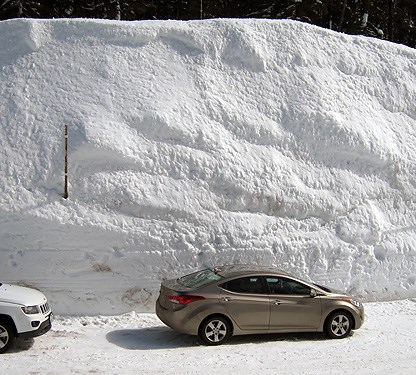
[(336, 291), (333, 292), (21, 295), (337, 294)]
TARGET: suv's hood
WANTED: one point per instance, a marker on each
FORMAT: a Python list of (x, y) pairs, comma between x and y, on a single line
[(21, 295)]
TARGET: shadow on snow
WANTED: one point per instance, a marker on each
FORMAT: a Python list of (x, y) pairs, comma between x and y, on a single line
[(165, 338)]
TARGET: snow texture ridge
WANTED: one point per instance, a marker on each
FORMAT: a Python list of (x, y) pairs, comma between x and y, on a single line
[(202, 143)]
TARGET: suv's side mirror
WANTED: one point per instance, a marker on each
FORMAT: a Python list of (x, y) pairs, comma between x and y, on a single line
[(313, 293)]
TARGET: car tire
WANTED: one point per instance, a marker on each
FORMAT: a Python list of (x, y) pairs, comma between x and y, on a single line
[(6, 336), (215, 330), (338, 325)]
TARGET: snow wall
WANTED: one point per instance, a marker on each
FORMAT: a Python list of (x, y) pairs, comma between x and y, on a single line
[(203, 143)]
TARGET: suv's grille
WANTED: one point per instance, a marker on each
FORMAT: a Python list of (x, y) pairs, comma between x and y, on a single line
[(45, 308)]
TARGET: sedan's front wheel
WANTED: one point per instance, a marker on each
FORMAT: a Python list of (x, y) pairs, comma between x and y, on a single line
[(215, 330), (338, 325)]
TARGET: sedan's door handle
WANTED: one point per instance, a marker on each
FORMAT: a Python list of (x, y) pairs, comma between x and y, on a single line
[(226, 299), (277, 303)]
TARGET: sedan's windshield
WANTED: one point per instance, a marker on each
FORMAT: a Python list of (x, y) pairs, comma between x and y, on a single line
[(199, 279), (323, 288), (312, 283)]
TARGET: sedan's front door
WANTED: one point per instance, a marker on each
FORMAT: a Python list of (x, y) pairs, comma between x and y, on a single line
[(247, 302), (292, 307)]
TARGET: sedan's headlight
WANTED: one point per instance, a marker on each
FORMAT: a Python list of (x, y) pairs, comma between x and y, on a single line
[(30, 310), (354, 302)]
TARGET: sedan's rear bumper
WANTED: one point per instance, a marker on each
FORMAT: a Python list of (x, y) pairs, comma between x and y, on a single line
[(179, 320)]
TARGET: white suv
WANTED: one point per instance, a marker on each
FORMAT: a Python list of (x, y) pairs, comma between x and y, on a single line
[(24, 312)]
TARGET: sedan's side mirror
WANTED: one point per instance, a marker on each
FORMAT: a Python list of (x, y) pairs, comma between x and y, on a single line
[(313, 293)]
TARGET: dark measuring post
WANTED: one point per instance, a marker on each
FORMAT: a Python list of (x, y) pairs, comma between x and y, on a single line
[(66, 163)]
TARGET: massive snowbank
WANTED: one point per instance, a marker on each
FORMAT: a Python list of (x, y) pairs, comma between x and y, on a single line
[(201, 143)]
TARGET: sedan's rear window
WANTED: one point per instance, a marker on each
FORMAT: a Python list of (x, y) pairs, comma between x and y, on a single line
[(251, 284), (199, 279)]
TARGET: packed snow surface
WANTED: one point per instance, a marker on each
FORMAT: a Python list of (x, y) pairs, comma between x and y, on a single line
[(201, 143), (140, 344)]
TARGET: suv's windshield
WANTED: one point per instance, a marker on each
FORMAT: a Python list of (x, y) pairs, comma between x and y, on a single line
[(199, 279)]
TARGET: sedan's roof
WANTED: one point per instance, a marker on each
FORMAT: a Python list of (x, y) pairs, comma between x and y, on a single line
[(236, 270)]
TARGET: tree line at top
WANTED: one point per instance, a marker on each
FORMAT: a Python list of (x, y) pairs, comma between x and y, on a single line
[(394, 20)]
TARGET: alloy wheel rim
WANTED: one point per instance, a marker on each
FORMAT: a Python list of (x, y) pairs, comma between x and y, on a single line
[(340, 325), (4, 337), (216, 331)]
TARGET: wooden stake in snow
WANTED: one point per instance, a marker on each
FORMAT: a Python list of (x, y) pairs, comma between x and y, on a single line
[(66, 163)]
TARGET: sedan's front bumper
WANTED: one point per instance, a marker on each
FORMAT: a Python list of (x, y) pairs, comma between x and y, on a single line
[(359, 322)]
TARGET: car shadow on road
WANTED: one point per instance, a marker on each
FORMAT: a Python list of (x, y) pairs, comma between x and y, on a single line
[(275, 337), (21, 345), (165, 338), (150, 338)]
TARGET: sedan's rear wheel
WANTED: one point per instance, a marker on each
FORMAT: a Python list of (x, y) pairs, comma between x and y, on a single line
[(6, 336), (338, 325), (215, 330)]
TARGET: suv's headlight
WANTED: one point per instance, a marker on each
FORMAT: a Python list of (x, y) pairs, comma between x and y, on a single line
[(30, 310)]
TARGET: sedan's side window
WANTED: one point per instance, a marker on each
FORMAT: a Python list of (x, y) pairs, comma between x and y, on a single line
[(250, 285), (281, 285)]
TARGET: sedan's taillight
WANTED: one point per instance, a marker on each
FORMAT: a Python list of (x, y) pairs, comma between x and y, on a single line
[(184, 300)]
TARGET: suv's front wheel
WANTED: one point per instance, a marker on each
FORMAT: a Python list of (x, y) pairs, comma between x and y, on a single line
[(6, 336)]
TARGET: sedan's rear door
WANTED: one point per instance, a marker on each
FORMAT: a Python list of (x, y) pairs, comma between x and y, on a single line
[(247, 302)]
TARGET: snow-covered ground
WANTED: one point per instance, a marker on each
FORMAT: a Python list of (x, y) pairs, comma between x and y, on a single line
[(140, 344), (202, 143)]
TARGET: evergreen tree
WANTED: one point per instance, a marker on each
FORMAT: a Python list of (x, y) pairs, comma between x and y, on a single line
[(19, 9)]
